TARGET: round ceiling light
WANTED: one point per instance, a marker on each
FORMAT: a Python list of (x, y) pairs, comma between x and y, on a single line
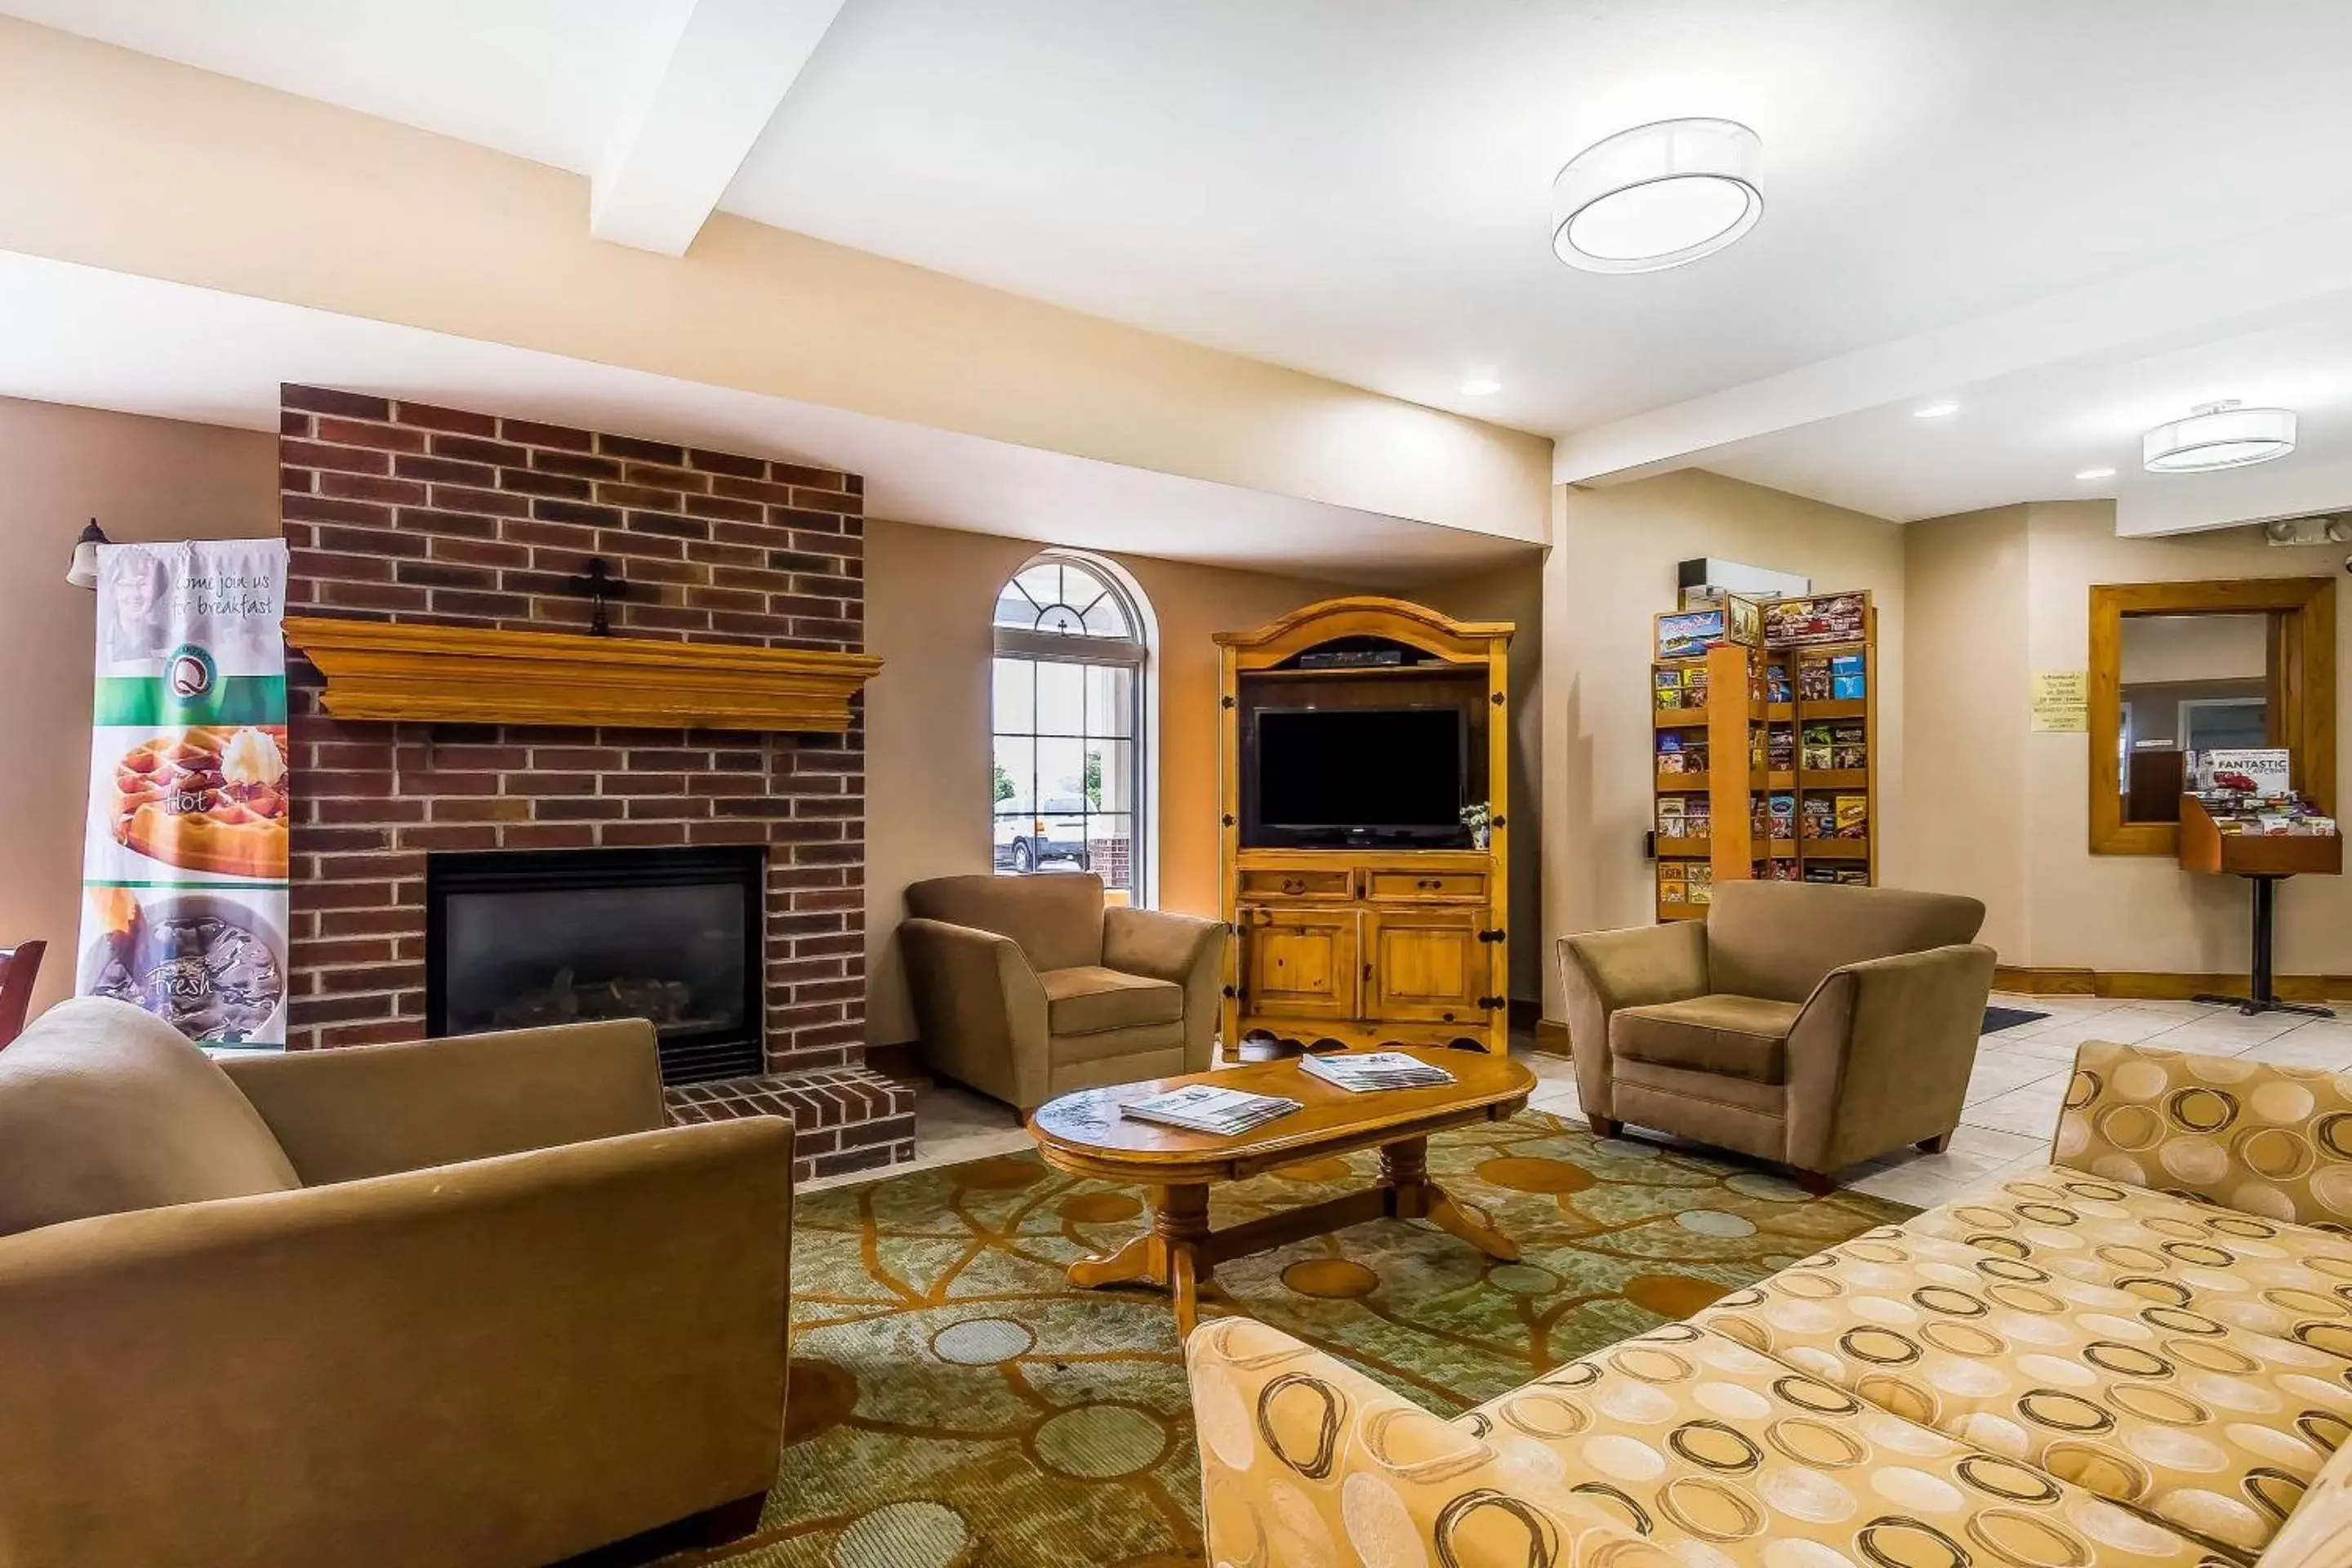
[(1657, 195), (2218, 436)]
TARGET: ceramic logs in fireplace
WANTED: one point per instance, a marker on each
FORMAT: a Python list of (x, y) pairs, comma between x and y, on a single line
[(520, 938)]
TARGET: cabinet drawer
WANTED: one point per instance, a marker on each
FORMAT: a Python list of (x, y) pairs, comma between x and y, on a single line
[(1337, 885), (1428, 886)]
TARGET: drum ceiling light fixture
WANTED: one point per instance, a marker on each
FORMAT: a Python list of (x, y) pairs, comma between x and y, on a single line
[(1657, 195), (2218, 436)]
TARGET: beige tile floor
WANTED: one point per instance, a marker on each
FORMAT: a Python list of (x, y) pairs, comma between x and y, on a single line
[(2013, 1102)]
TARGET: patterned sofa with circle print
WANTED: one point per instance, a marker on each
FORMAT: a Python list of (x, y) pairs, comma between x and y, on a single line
[(2139, 1353)]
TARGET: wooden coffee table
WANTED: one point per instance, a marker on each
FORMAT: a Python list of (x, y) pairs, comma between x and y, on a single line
[(1085, 1135)]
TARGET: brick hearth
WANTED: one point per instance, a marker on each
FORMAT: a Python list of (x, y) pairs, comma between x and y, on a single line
[(406, 511), (845, 1119)]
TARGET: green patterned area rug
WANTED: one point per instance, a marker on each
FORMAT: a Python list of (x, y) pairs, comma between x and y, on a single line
[(954, 1402)]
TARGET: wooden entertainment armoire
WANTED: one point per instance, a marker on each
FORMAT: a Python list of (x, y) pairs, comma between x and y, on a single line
[(1370, 944)]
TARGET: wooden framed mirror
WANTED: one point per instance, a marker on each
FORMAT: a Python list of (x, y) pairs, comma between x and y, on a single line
[(2183, 667)]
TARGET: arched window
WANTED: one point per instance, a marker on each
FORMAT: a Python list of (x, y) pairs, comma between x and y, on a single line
[(1069, 713)]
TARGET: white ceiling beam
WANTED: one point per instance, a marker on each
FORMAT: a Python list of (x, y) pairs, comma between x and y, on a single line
[(712, 79), (2182, 300)]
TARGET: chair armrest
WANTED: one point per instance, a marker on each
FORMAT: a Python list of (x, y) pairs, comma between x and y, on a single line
[(1881, 1053), (1603, 970), (369, 1110), (1185, 949), (1284, 1429), (503, 1361), (980, 1006), (2263, 1138), (1162, 945)]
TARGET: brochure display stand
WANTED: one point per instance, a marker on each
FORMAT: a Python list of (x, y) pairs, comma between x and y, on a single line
[(1766, 753), (2224, 844)]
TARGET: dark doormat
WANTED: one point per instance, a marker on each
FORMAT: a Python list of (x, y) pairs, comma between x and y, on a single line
[(2008, 1018)]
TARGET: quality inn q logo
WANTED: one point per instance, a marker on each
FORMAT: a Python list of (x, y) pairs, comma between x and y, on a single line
[(189, 672)]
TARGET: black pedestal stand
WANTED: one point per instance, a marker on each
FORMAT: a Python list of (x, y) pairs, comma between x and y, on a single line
[(2265, 999)]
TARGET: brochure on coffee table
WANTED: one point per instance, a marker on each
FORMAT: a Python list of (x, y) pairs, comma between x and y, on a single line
[(1200, 1107), (1363, 1071)]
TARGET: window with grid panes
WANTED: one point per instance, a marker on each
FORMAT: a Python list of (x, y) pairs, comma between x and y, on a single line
[(1066, 712)]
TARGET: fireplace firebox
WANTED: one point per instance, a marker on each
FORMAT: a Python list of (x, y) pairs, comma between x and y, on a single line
[(517, 938)]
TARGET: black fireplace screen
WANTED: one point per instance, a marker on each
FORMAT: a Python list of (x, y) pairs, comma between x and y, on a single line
[(530, 937)]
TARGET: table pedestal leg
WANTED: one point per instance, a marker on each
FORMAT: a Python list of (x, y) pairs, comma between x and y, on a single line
[(1404, 1175), (1171, 1255), (1128, 1264), (1180, 1226), (1179, 1253)]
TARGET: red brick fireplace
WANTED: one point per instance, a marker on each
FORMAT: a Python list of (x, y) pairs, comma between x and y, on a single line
[(409, 512)]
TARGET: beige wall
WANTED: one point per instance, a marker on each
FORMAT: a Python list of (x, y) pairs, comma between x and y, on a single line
[(122, 161), (1964, 690), (2031, 568), (1610, 568), (1515, 594), (927, 596), (142, 478)]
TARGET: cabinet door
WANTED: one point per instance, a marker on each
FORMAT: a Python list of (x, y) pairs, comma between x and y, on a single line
[(1299, 963), (1426, 965)]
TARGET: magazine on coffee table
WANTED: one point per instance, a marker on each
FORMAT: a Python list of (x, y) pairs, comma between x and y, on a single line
[(1361, 1072), (1201, 1107)]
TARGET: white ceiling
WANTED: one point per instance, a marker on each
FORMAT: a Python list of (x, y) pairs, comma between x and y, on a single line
[(2025, 436), (106, 340), (1357, 187)]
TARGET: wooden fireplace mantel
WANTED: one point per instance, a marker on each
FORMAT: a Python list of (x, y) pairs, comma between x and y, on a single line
[(481, 675)]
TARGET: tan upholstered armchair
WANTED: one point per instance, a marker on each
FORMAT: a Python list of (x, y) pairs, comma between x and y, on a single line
[(1807, 1024), (1027, 988), (464, 1301)]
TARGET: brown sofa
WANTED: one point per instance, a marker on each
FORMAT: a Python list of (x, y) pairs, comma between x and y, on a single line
[(1027, 988), (464, 1301), (1803, 1023)]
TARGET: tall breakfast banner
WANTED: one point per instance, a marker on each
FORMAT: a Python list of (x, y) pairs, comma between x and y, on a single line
[(185, 859)]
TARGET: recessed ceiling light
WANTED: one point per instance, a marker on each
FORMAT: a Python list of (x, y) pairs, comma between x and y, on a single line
[(1657, 195), (1935, 410), (1480, 386), (2094, 473), (2218, 436)]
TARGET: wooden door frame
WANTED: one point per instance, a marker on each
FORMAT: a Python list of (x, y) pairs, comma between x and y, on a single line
[(2302, 672)]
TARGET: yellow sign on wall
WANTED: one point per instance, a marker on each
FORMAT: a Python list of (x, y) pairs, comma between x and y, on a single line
[(2062, 701)]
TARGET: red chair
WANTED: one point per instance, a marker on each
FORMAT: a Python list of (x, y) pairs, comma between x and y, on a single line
[(18, 966)]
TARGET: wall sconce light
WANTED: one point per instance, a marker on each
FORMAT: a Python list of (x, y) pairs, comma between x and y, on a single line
[(83, 571)]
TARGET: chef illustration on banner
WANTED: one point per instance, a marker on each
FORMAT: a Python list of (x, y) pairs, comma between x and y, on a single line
[(184, 867)]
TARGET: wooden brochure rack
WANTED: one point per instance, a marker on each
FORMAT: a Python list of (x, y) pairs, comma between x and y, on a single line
[(1766, 769)]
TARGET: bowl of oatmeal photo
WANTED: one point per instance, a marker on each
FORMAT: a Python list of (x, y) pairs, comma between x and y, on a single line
[(204, 961)]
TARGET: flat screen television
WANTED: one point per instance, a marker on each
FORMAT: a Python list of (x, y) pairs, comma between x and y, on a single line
[(1357, 775)]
